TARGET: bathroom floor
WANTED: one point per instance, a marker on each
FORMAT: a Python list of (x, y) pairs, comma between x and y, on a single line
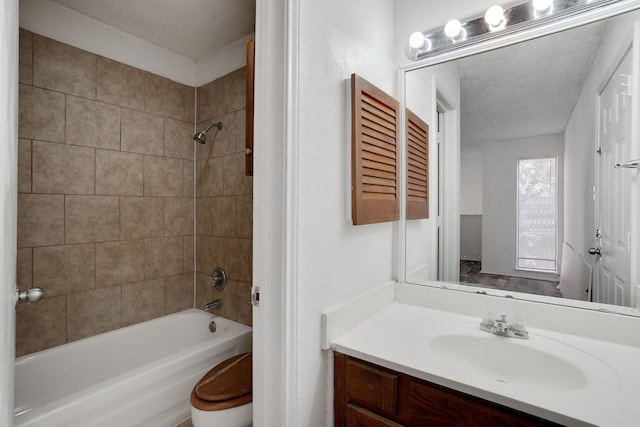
[(185, 424), (470, 273)]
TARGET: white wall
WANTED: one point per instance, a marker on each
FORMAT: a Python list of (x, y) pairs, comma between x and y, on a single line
[(8, 199), (500, 199), (471, 187), (336, 260), (421, 235)]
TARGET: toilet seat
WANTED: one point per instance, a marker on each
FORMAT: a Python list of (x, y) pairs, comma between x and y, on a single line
[(227, 385)]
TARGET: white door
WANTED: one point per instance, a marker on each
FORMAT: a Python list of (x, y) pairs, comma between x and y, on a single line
[(613, 204), (8, 200)]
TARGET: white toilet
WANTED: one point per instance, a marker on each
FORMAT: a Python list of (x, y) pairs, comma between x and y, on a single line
[(222, 398)]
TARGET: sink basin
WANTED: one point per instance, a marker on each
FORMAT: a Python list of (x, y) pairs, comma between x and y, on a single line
[(538, 363)]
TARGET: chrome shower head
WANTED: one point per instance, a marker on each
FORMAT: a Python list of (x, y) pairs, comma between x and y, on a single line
[(201, 137)]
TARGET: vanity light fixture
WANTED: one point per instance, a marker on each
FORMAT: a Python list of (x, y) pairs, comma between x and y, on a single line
[(419, 42), (497, 21), (543, 7), (455, 31), (494, 17)]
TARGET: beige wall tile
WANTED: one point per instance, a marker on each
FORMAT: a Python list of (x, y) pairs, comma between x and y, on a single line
[(241, 131), (120, 84), (41, 114), (41, 326), (223, 216), (204, 292), (92, 124), (229, 298), (24, 166), (141, 132), (204, 218), (94, 312), (119, 262), (63, 169), (223, 141), (205, 151), (162, 176), (141, 217), (178, 216), (40, 220), (142, 301), (209, 101), (65, 269), (190, 104), (234, 90), (188, 189), (91, 219), (210, 177), (24, 269), (119, 173), (163, 257), (164, 97), (189, 254), (63, 68), (210, 253), (26, 57), (178, 293), (238, 259), (235, 180), (244, 206), (245, 309), (178, 139)]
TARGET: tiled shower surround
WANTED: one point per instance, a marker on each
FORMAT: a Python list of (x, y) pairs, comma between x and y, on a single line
[(106, 195)]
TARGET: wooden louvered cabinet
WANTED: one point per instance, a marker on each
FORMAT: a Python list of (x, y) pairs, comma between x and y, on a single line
[(375, 154), (417, 167), (367, 395)]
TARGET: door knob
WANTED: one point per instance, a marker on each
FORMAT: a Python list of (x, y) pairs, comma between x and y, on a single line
[(30, 295), (594, 251)]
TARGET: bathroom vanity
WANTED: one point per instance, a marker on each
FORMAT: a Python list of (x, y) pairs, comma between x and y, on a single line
[(409, 355), (368, 395)]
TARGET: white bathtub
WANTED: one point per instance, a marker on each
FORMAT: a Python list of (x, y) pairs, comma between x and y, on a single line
[(140, 375)]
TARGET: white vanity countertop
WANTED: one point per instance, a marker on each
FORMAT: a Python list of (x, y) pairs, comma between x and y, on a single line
[(399, 336)]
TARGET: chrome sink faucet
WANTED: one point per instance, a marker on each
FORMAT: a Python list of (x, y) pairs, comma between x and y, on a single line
[(500, 326)]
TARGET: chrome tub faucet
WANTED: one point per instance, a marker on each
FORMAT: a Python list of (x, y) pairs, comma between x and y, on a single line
[(213, 305)]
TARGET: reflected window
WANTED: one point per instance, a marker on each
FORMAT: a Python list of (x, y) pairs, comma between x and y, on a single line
[(537, 214)]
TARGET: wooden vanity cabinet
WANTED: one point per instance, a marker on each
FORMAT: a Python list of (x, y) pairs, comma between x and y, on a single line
[(366, 395)]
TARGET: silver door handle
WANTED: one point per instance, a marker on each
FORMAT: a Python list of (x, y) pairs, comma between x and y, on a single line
[(30, 295), (631, 164), (595, 251)]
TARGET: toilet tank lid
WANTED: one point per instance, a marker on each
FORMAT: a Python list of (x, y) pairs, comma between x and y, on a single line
[(227, 380)]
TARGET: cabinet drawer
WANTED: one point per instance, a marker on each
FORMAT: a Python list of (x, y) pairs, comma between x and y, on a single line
[(360, 417), (372, 387), (437, 406)]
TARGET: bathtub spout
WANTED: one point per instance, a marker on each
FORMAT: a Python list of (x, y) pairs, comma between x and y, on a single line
[(213, 304)]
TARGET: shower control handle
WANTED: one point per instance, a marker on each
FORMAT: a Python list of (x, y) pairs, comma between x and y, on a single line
[(595, 251)]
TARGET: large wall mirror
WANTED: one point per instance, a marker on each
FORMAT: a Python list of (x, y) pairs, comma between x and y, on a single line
[(526, 199)]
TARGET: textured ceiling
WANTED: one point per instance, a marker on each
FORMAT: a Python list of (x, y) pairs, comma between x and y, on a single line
[(527, 89), (193, 28)]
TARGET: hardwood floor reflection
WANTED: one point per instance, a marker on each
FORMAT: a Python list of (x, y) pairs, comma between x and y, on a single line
[(470, 273)]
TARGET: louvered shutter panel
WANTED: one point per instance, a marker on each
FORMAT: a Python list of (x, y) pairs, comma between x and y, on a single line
[(375, 155), (417, 167)]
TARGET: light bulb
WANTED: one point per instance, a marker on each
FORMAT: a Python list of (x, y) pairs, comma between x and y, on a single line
[(542, 6), (417, 40), (494, 16), (454, 30)]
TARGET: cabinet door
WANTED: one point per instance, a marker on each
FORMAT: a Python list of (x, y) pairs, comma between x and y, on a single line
[(360, 417)]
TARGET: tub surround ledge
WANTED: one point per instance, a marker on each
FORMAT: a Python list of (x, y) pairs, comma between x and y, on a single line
[(396, 325)]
